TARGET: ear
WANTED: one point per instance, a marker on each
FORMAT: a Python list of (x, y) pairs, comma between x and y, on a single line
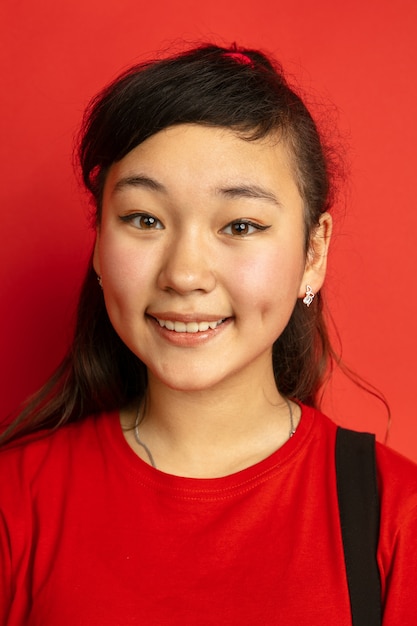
[(316, 260)]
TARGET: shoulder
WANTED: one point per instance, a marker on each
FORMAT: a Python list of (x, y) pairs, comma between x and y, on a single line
[(397, 549), (36, 446), (397, 483), (394, 467), (41, 458), (397, 486), (41, 475), (396, 475)]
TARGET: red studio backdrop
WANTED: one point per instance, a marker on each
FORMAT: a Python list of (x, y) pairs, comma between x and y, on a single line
[(357, 63)]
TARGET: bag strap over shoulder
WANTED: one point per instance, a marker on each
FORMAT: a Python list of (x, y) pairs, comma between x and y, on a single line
[(359, 519)]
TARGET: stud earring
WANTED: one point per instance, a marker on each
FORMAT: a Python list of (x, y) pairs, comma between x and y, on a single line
[(99, 281), (309, 297)]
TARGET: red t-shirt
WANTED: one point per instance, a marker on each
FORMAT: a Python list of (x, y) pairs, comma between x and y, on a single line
[(92, 535)]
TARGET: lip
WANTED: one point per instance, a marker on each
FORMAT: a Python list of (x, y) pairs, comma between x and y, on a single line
[(186, 317), (188, 339)]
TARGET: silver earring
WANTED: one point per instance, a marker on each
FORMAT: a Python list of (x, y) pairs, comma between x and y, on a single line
[(309, 297), (99, 281)]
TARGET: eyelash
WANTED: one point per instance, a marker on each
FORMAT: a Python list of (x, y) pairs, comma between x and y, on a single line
[(245, 223), (157, 225), (139, 216)]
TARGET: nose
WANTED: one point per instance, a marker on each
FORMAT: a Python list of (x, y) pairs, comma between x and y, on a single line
[(188, 265)]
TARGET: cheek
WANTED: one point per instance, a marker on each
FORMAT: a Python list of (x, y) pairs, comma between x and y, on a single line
[(125, 269), (269, 280)]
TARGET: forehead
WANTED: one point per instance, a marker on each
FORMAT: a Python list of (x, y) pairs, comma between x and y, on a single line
[(202, 159)]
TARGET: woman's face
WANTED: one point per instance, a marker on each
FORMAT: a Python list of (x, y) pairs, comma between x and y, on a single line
[(201, 253)]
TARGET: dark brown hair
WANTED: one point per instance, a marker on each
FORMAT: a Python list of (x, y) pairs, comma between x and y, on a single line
[(240, 89)]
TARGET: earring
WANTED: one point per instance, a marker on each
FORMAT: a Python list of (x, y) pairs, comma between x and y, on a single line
[(309, 297), (99, 281)]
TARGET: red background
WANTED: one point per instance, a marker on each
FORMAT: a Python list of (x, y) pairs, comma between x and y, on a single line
[(360, 55)]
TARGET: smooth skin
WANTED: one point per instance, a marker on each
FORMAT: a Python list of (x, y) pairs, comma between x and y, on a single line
[(200, 226)]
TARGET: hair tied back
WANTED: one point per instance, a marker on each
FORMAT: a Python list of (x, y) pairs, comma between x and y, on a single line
[(240, 58)]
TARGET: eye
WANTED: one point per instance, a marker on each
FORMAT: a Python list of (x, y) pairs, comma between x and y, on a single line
[(142, 221), (242, 228)]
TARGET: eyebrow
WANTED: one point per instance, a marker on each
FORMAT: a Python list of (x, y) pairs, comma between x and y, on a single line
[(139, 181), (250, 191), (238, 191)]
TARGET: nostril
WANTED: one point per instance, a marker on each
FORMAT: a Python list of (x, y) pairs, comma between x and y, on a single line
[(184, 274)]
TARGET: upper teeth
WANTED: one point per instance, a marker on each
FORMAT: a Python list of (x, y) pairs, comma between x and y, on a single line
[(190, 327)]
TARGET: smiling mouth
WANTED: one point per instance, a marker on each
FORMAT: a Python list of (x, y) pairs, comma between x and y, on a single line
[(189, 327)]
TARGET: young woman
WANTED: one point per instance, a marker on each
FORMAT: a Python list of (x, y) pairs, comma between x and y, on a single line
[(175, 470)]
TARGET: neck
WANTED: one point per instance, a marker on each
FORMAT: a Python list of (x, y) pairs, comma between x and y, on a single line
[(213, 432)]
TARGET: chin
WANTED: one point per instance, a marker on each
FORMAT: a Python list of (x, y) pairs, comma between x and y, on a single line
[(191, 380)]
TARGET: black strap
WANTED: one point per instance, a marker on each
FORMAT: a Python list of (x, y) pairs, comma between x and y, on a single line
[(359, 519)]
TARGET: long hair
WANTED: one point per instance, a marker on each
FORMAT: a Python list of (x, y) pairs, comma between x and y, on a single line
[(239, 89)]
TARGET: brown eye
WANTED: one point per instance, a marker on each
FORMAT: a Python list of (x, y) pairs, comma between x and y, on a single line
[(243, 228), (142, 221), (240, 228), (146, 221)]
